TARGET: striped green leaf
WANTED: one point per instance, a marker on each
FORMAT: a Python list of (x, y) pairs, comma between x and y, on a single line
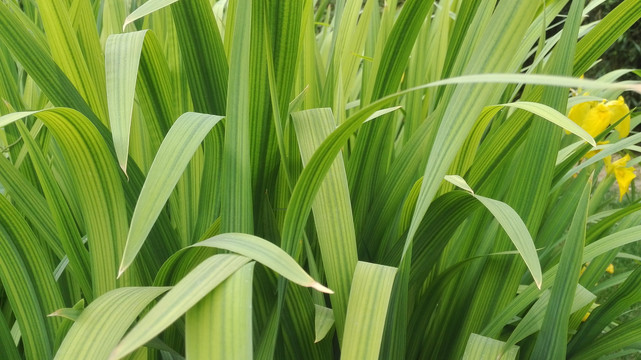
[(21, 295), (513, 226), (96, 184), (332, 211), (115, 311), (265, 253), (122, 58), (481, 347), (624, 297), (179, 145), (182, 297), (366, 311), (230, 313), (533, 320), (323, 322), (236, 200)]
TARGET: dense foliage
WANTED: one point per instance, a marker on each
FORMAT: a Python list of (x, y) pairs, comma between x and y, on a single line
[(315, 179)]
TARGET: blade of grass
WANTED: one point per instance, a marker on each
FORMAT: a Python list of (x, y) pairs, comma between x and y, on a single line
[(115, 311), (179, 145), (332, 212), (191, 289), (366, 312), (122, 58), (230, 313), (481, 347), (265, 253), (66, 228), (20, 292), (96, 184)]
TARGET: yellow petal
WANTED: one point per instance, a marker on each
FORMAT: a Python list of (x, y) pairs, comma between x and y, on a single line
[(624, 178), (618, 109), (578, 112), (585, 317), (622, 162), (597, 120), (610, 269)]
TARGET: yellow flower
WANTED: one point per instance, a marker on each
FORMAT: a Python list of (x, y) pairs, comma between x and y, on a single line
[(619, 109), (578, 112), (610, 269), (596, 120), (594, 116), (624, 175)]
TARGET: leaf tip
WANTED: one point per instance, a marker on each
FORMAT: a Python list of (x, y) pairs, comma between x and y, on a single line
[(123, 167), (127, 22), (121, 270), (321, 288)]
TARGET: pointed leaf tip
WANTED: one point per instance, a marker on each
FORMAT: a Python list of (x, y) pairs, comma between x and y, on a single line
[(123, 167), (321, 288), (121, 270)]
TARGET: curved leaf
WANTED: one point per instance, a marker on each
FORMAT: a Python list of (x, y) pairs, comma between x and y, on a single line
[(96, 184), (367, 310), (122, 57), (265, 253), (189, 291), (174, 154), (114, 312)]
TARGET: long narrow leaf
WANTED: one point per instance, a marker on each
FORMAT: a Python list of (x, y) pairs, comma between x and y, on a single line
[(366, 312), (175, 152), (115, 311)]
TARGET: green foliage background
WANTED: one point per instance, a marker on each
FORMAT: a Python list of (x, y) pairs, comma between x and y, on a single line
[(312, 179)]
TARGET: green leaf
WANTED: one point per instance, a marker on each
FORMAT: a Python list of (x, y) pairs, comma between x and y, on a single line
[(30, 203), (553, 116), (146, 9), (85, 340), (367, 309), (513, 226), (176, 150), (236, 200), (518, 233), (622, 336), (323, 322), (312, 177), (332, 211), (66, 226), (552, 340), (265, 253), (39, 64), (122, 57), (533, 320), (21, 294), (96, 184), (6, 341), (182, 297), (623, 298), (220, 325), (484, 348), (66, 51)]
